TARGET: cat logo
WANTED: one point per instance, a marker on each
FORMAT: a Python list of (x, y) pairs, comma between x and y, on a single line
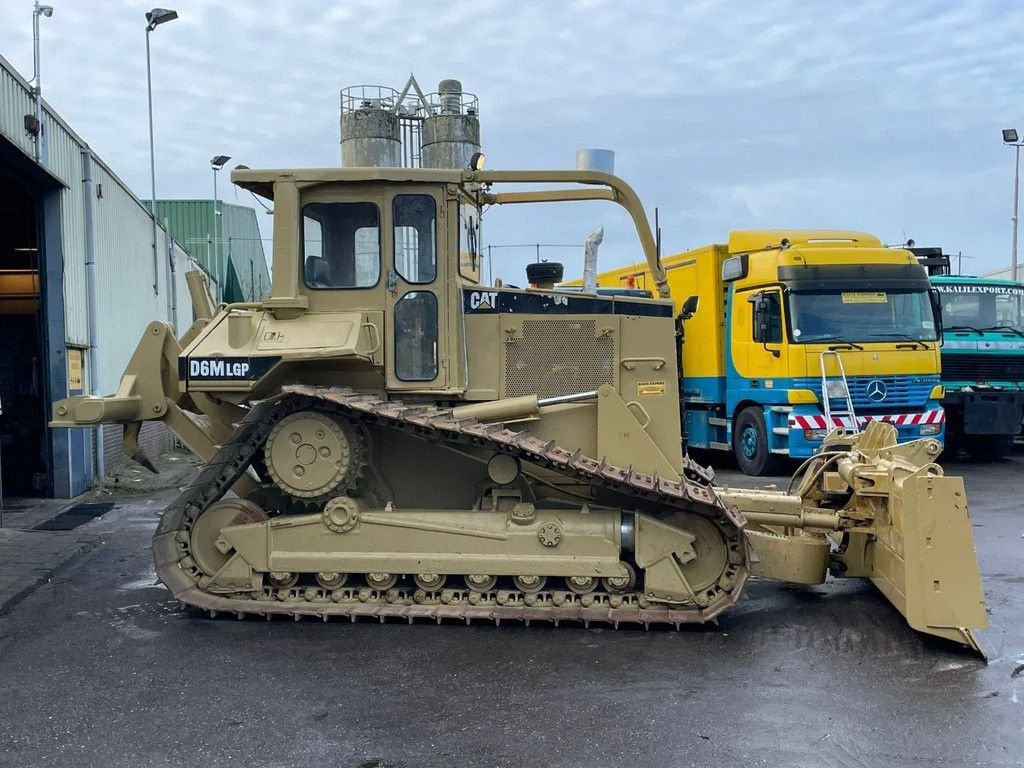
[(483, 300)]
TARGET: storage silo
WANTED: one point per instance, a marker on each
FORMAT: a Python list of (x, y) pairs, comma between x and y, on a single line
[(451, 129), (370, 135)]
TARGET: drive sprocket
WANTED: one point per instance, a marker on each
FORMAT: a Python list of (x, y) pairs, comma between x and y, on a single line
[(311, 456)]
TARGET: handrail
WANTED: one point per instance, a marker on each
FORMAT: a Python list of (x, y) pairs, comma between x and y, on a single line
[(618, 191)]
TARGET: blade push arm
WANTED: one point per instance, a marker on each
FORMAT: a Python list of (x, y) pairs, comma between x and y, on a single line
[(872, 508)]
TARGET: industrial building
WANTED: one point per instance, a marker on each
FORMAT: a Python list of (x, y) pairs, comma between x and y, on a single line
[(225, 240), (80, 278)]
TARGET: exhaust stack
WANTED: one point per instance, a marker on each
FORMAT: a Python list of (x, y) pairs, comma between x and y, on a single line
[(590, 246)]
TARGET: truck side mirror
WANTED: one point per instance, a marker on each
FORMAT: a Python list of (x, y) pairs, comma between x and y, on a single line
[(689, 307), (761, 319), (762, 331), (936, 299)]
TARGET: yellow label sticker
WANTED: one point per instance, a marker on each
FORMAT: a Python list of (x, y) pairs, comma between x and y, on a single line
[(865, 297), (645, 388), (74, 369)]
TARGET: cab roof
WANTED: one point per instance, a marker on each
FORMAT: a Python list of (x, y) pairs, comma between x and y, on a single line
[(261, 182), (748, 240), (954, 279)]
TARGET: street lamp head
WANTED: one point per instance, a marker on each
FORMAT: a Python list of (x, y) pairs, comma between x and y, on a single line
[(218, 161), (158, 16), (1010, 135), (44, 10)]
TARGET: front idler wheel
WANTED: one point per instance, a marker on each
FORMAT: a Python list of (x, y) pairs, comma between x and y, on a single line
[(208, 552)]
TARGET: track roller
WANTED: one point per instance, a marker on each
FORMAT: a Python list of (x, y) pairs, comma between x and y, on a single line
[(529, 584), (480, 582), (429, 582)]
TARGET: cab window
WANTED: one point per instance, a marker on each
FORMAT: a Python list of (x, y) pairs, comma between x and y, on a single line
[(774, 319), (415, 233), (469, 242), (341, 245), (416, 337)]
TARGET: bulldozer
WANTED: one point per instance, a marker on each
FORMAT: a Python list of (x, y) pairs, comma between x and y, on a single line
[(387, 437)]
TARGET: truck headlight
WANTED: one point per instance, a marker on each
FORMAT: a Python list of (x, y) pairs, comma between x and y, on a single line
[(931, 429), (814, 434)]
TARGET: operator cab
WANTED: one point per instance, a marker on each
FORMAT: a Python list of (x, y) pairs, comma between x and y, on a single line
[(379, 268)]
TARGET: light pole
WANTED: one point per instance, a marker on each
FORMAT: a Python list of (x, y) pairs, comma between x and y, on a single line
[(154, 19), (216, 163), (37, 87), (1012, 139)]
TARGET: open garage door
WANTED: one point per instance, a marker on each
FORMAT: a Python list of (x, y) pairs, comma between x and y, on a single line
[(24, 451)]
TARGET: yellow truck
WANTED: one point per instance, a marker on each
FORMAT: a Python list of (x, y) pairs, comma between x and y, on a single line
[(790, 333)]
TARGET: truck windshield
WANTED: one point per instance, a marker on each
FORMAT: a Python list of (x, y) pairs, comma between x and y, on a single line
[(984, 307), (866, 316)]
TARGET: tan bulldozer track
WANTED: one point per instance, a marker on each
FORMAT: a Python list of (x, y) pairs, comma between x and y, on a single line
[(693, 494)]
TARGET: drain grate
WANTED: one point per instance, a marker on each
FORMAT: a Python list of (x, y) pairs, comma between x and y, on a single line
[(77, 515)]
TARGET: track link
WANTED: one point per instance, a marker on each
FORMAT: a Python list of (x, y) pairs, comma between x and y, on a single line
[(693, 493)]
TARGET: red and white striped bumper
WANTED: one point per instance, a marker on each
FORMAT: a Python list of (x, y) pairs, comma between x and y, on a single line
[(817, 421)]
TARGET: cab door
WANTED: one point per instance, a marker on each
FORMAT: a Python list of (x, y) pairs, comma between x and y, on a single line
[(417, 324), (757, 350)]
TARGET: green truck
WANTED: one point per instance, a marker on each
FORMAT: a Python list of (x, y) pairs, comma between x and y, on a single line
[(982, 358)]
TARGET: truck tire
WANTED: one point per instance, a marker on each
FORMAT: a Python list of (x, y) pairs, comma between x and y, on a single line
[(952, 442), (988, 447), (751, 446)]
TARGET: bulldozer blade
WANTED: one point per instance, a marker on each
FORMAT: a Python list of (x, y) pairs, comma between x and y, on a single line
[(921, 556), (132, 449)]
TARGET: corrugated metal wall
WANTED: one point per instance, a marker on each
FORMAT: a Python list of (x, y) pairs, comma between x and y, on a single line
[(124, 276), (65, 160), (191, 221), (125, 301), (238, 243), (244, 248), (15, 103)]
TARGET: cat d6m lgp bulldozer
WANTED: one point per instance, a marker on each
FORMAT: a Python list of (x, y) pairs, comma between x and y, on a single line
[(386, 436)]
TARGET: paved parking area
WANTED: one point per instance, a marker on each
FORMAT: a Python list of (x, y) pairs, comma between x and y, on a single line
[(100, 668), (29, 558)]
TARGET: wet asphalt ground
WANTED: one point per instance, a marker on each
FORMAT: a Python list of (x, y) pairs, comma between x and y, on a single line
[(99, 667)]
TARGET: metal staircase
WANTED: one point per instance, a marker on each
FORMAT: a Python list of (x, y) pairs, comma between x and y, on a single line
[(837, 388)]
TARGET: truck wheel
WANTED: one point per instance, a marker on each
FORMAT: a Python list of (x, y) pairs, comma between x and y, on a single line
[(951, 444), (989, 447), (750, 444)]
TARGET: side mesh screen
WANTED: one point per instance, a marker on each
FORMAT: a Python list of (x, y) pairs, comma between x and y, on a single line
[(558, 357)]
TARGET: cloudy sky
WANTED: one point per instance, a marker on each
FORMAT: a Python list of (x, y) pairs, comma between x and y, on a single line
[(881, 116)]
